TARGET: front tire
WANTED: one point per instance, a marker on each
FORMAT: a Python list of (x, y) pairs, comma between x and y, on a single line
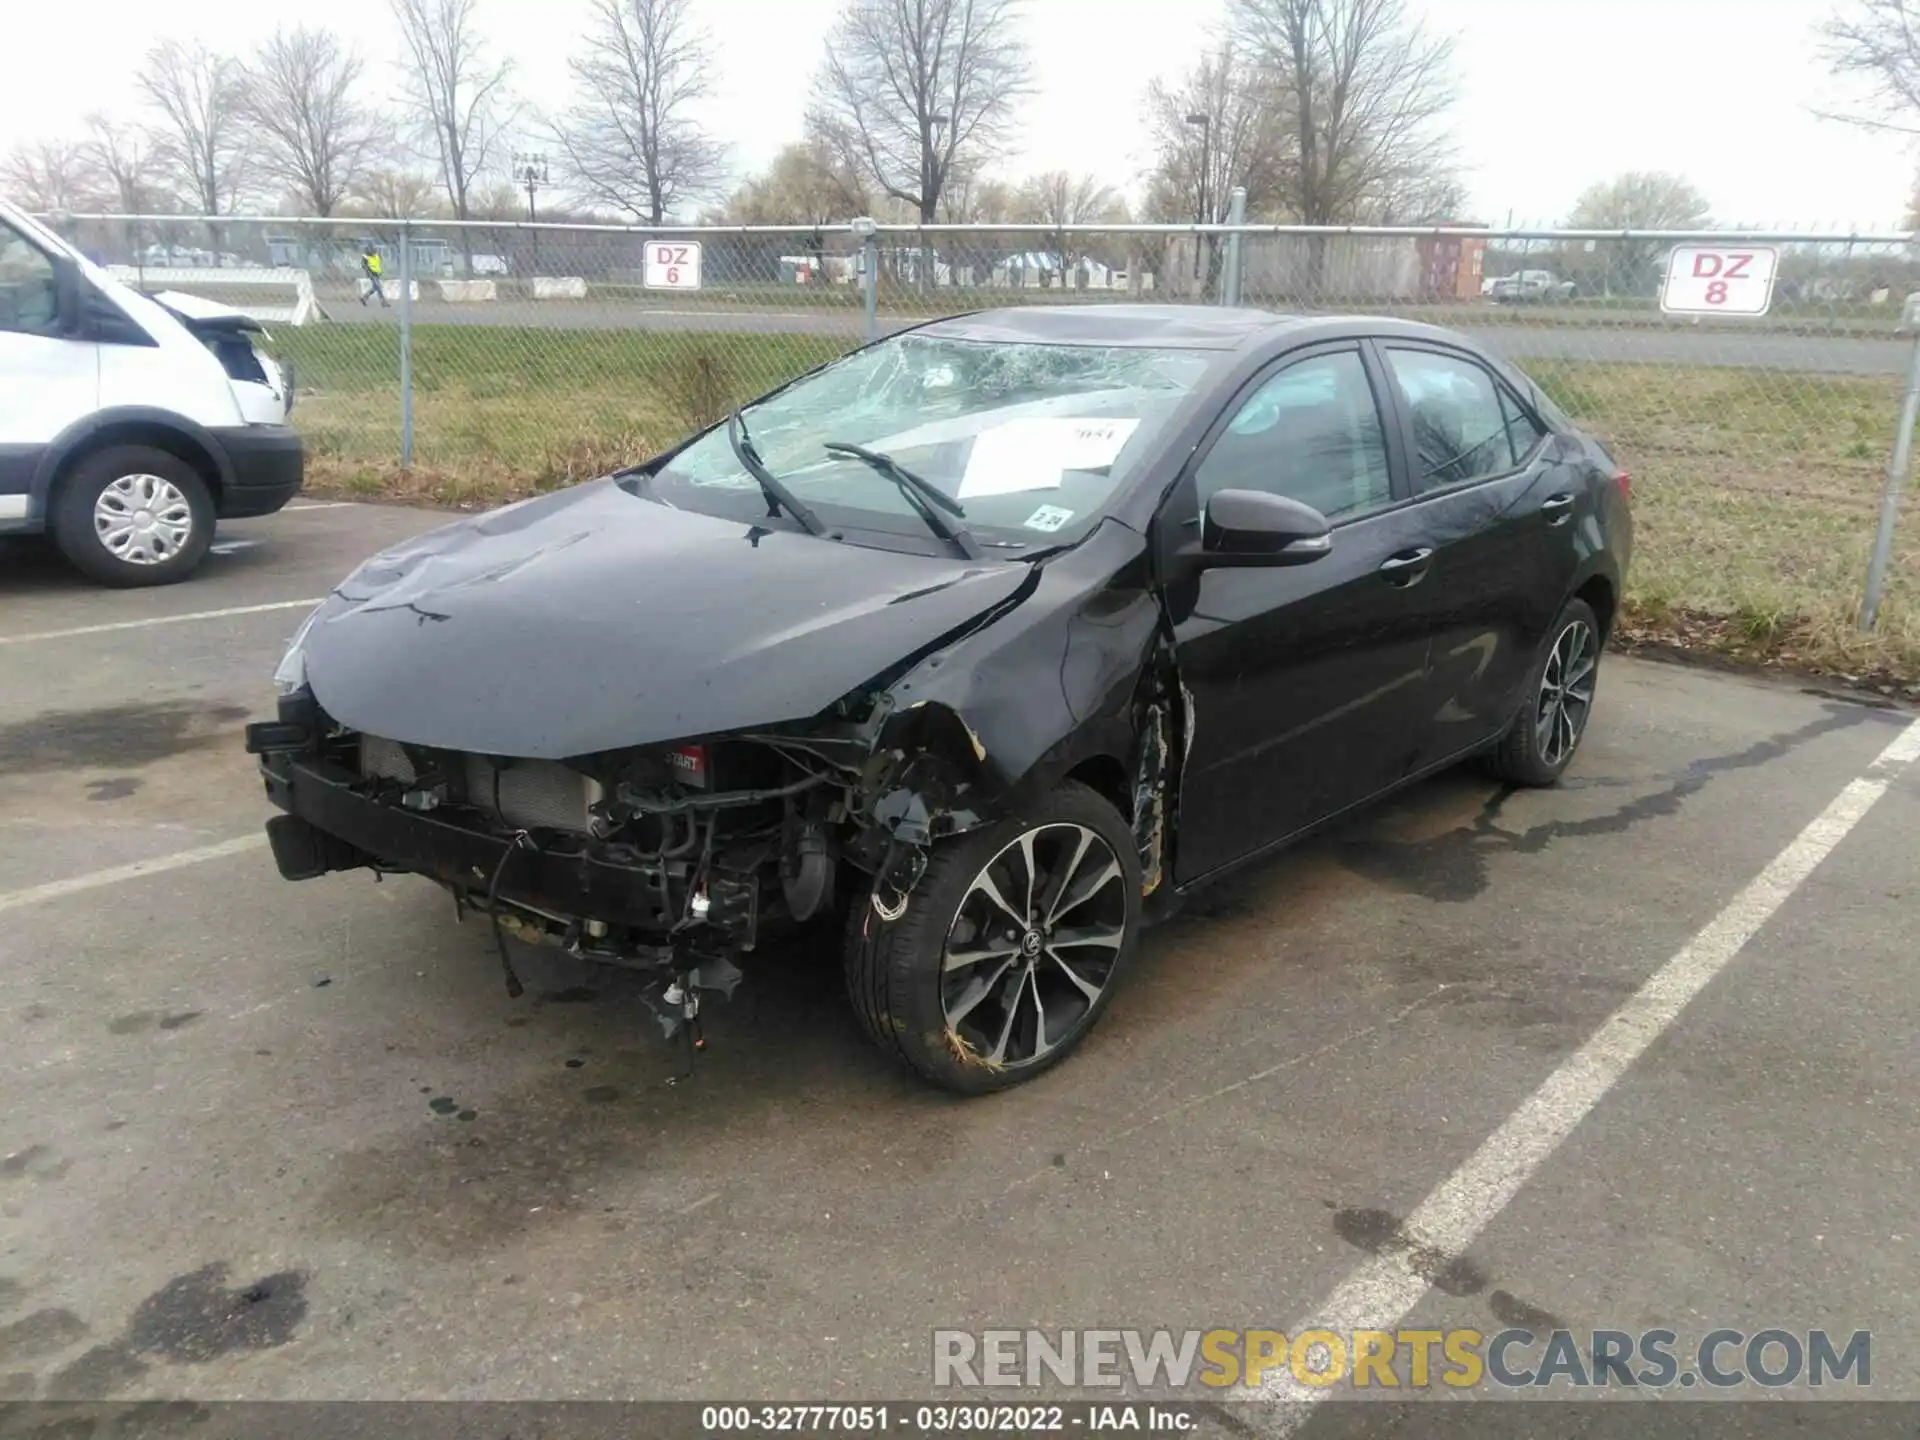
[(1010, 949), (1541, 742), (131, 515)]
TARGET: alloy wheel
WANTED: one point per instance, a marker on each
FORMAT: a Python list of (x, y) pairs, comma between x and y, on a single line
[(1566, 692), (1033, 944), (143, 519)]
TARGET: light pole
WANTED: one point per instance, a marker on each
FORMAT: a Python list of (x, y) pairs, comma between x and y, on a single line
[(1205, 122), (530, 169)]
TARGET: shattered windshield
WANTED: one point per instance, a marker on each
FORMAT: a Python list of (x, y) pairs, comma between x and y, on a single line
[(1031, 440)]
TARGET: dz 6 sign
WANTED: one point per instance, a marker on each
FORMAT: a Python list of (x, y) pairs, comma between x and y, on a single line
[(672, 265), (1719, 280)]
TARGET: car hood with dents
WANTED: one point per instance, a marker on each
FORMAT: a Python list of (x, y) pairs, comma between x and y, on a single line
[(594, 619)]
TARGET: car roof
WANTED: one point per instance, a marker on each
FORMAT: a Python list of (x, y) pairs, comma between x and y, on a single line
[(1188, 326), (1192, 327)]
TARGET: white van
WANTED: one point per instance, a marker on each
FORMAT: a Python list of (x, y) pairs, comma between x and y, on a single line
[(130, 423)]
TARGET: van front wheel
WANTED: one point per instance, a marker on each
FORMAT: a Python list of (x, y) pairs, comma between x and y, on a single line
[(133, 515)]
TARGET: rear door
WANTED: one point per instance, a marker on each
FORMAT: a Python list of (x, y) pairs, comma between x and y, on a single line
[(1496, 502), (47, 381), (1306, 682)]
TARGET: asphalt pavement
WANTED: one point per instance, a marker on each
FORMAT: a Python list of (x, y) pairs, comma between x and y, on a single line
[(295, 1142), (1677, 343)]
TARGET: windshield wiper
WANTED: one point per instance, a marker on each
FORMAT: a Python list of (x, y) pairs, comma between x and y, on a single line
[(778, 496), (925, 497)]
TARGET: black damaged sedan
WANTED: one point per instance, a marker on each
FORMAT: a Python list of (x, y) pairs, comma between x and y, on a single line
[(990, 639)]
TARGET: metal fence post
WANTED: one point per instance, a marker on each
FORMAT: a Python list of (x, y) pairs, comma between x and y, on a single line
[(870, 275), (1896, 478), (406, 345), (1236, 215)]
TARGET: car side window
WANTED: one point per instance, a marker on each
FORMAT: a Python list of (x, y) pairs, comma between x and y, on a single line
[(1462, 425), (1311, 432), (29, 295), (1523, 432)]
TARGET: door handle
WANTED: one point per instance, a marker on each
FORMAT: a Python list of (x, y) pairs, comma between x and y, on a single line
[(1408, 567), (1557, 508)]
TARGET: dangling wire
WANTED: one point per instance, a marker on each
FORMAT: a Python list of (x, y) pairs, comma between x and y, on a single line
[(520, 837)]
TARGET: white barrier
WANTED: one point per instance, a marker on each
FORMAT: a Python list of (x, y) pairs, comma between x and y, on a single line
[(559, 287), (463, 291), (388, 287), (209, 281)]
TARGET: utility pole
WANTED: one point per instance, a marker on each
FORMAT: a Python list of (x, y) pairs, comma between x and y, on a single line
[(530, 169)]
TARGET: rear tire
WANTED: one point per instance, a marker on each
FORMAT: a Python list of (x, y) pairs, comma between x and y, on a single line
[(131, 515), (1544, 737), (963, 997)]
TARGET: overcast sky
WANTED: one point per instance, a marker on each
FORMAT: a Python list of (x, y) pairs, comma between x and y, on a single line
[(1553, 94)]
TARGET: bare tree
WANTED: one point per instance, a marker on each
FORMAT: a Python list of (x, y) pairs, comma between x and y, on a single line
[(1215, 128), (1366, 92), (804, 185), (397, 194), (123, 157), (1877, 42), (974, 198), (629, 141), (314, 134), (1059, 199), (50, 175), (200, 134), (1637, 200), (913, 88), (455, 91)]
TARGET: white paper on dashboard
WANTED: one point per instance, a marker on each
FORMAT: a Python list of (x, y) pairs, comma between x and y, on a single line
[(1032, 452)]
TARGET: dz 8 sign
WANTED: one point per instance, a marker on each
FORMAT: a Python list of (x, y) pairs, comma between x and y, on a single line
[(1719, 280), (672, 265)]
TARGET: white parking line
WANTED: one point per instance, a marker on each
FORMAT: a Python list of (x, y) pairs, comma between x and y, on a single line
[(56, 889), (158, 620), (319, 505), (1378, 1295)]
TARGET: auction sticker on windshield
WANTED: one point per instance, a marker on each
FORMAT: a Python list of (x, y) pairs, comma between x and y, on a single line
[(1048, 518), (1032, 452)]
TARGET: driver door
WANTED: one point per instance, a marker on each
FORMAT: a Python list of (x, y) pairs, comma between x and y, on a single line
[(1305, 681)]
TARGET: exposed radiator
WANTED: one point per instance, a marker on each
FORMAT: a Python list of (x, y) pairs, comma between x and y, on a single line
[(526, 794)]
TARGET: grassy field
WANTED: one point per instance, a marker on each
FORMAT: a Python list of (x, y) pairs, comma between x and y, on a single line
[(1755, 492)]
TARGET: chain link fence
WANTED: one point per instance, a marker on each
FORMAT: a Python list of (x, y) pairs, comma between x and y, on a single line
[(503, 358)]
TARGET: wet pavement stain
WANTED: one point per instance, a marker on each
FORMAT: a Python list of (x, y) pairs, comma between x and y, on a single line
[(443, 1105), (1379, 1232), (97, 1374), (44, 1332), (1521, 1316), (31, 1160), (115, 736), (1453, 866), (114, 787), (184, 1017), (196, 1318)]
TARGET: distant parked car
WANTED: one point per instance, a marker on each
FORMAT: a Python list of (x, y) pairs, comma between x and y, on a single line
[(1528, 285)]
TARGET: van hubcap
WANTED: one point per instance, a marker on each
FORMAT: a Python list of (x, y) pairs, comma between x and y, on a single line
[(143, 519), (1033, 945)]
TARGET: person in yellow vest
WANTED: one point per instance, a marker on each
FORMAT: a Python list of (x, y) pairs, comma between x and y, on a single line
[(370, 263)]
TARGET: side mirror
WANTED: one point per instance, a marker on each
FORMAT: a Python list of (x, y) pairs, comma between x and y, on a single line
[(68, 304), (1253, 527)]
